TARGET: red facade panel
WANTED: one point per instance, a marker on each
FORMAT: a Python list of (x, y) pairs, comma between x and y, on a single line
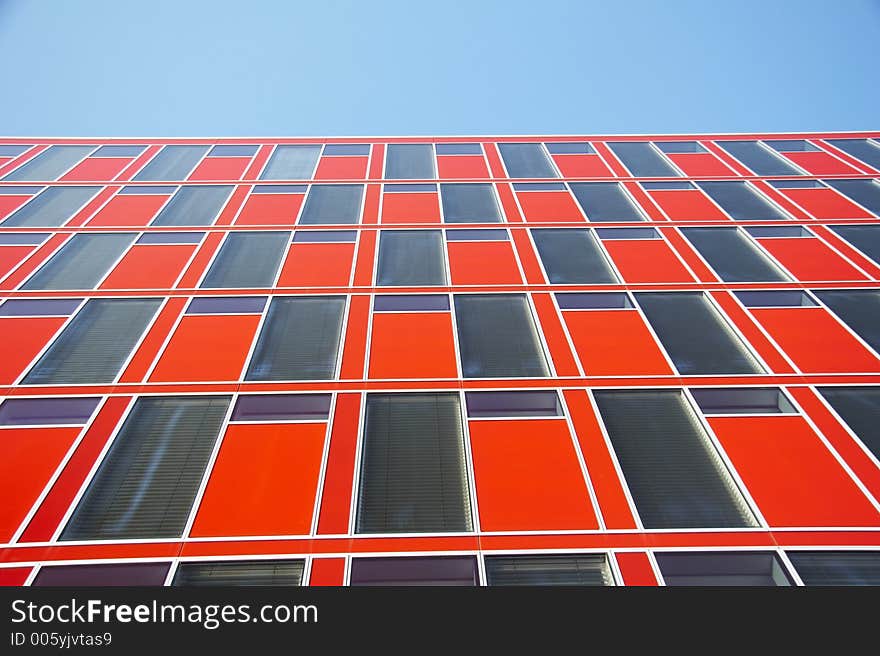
[(150, 266), (317, 265), (404, 207), (461, 166), (21, 340), (129, 210), (549, 206), (483, 263), (342, 168), (412, 345), (646, 261), (270, 209)]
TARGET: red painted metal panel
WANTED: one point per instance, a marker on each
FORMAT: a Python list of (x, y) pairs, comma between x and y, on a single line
[(687, 205), (342, 168), (270, 209), (582, 166), (317, 265), (461, 166), (153, 342), (220, 168), (550, 325), (483, 263), (538, 206), (129, 210), (412, 345), (748, 327), (646, 261), (422, 207), (699, 164), (826, 204), (635, 568), (819, 163), (10, 203), (150, 266), (12, 256), (21, 340), (336, 496), (810, 259), (96, 168), (354, 347), (327, 572)]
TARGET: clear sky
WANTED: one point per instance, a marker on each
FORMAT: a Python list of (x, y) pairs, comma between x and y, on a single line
[(333, 67)]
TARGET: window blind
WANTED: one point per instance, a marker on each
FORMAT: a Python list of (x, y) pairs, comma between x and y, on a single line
[(567, 569), (82, 262), (240, 572), (247, 259)]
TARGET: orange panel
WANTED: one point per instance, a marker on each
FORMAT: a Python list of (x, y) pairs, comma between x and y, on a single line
[(810, 259), (614, 343), (790, 473), (635, 568), (412, 345), (8, 204), (28, 458), (687, 205), (549, 206), (696, 164), (97, 168), (815, 341), (410, 208), (582, 166), (528, 477), (483, 263), (270, 209), (826, 204), (342, 168), (327, 571), (819, 163), (129, 210), (12, 256), (461, 166), (150, 266), (264, 481), (21, 339), (206, 347), (317, 265), (646, 260), (220, 168)]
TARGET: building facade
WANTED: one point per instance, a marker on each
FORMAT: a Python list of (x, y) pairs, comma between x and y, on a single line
[(609, 360)]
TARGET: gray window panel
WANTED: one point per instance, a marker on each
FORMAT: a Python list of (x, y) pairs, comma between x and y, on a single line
[(594, 301), (572, 256), (722, 569), (864, 192), (779, 231), (415, 571), (293, 162), (409, 162), (863, 149), (50, 164), (346, 149), (836, 567), (667, 186), (864, 237), (324, 236), (227, 305), (605, 201), (147, 482), (675, 474), (82, 262), (526, 160), (20, 191), (280, 189), (147, 190), (478, 234), (281, 407), (409, 188), (742, 202), (859, 407), (328, 204), (118, 151), (108, 574), (193, 206), (742, 400), (170, 238), (11, 150), (52, 208), (172, 163), (562, 569), (497, 337), (733, 257), (680, 146), (642, 160), (47, 411), (23, 238), (299, 339), (539, 186), (240, 572), (536, 403), (413, 476), (695, 336), (39, 307), (796, 184), (247, 259), (469, 203), (571, 148), (233, 150), (459, 149), (411, 303), (775, 298), (859, 309), (627, 233), (791, 146), (96, 343), (411, 257), (759, 159)]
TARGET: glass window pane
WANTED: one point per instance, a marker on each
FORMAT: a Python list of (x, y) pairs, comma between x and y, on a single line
[(760, 160), (642, 160), (47, 411), (233, 150), (247, 259), (775, 298), (413, 477), (324, 236), (680, 146), (82, 262), (411, 257), (605, 201), (328, 204), (147, 482), (51, 164), (779, 231), (497, 337), (227, 305), (513, 404), (170, 238), (836, 567), (469, 203), (733, 257), (193, 206), (742, 202), (742, 400), (675, 474), (118, 151), (594, 301), (299, 339), (52, 208), (864, 149), (561, 569), (409, 162), (172, 163), (281, 407), (627, 233), (12, 150), (107, 574), (864, 237), (570, 148), (858, 308), (240, 572), (346, 149), (526, 160), (39, 307), (415, 571), (294, 162), (791, 145), (864, 192), (411, 303), (859, 407), (722, 568), (695, 336), (572, 256), (459, 149)]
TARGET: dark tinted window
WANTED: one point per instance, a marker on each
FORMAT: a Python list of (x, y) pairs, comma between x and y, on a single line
[(240, 572), (346, 149), (422, 570), (233, 150), (561, 569), (864, 237), (593, 301), (642, 160), (278, 407), (50, 164), (327, 204), (193, 206), (459, 149), (48, 411), (82, 262), (247, 259), (409, 162), (570, 148), (513, 404), (775, 298), (742, 400), (411, 257), (733, 257), (865, 192), (411, 303), (469, 203), (837, 567), (572, 255), (760, 160), (742, 202), (292, 162), (859, 407), (722, 568), (35, 307), (227, 305), (605, 201), (859, 309), (526, 160), (172, 163), (324, 236), (22, 238), (864, 149), (680, 147), (170, 238), (108, 574), (52, 208)]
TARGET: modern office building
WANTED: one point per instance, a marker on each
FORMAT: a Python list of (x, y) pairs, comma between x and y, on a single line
[(610, 360)]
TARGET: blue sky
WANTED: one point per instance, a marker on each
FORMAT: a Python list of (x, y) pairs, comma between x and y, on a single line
[(329, 67)]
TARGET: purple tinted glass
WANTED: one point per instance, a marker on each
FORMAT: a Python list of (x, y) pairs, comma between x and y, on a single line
[(593, 301), (459, 149), (118, 151), (227, 305), (570, 148), (347, 149), (324, 236), (22, 238), (477, 234), (775, 298), (273, 407), (661, 186), (39, 307), (627, 233), (20, 191), (742, 400), (411, 302), (539, 186), (12, 150), (796, 184), (436, 570), (147, 190), (234, 150), (408, 188), (513, 404), (779, 231), (171, 238), (103, 575), (280, 189), (33, 412)]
